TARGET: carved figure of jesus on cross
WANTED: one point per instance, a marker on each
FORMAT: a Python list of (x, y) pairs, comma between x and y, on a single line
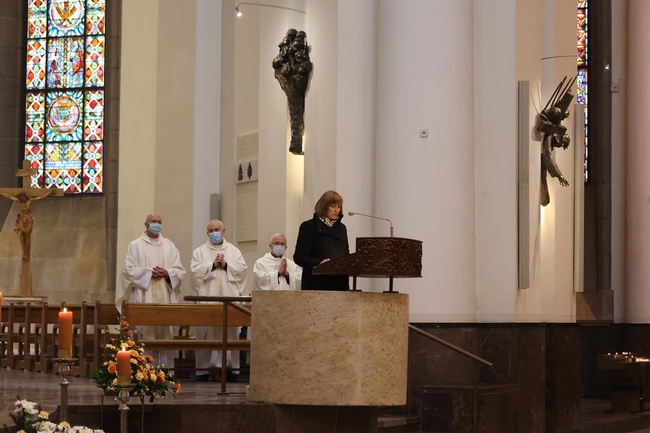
[(25, 196)]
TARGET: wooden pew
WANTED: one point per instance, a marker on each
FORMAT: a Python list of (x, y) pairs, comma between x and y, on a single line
[(105, 316), (15, 317), (27, 331), (45, 338), (141, 314), (4, 312), (83, 339)]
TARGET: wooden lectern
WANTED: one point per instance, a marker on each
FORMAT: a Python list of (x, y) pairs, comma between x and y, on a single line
[(378, 257)]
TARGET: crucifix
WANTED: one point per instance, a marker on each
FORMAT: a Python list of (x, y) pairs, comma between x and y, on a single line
[(25, 196)]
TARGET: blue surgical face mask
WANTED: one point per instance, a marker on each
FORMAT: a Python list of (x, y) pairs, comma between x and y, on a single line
[(278, 250), (215, 237), (155, 228)]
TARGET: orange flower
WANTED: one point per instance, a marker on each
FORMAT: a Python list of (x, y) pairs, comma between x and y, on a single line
[(130, 343), (149, 359), (160, 377), (112, 367), (125, 324), (177, 388)]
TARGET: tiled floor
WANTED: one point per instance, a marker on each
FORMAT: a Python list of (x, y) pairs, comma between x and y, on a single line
[(45, 389)]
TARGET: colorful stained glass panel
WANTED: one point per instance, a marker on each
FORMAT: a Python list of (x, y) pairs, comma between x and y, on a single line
[(36, 64), (34, 154), (36, 19), (35, 114), (63, 166), (64, 116), (93, 163), (95, 61), (95, 15), (66, 18), (65, 66), (94, 115), (583, 76)]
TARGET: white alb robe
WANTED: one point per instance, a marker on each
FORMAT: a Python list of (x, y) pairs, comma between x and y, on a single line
[(207, 281), (267, 278), (137, 285)]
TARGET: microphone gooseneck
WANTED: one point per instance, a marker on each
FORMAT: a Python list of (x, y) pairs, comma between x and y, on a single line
[(375, 217)]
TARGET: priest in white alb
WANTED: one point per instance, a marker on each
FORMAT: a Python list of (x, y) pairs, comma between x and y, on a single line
[(273, 271), (218, 269), (152, 274)]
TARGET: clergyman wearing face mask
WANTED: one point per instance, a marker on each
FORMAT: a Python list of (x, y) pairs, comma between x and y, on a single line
[(274, 271), (152, 273), (218, 269)]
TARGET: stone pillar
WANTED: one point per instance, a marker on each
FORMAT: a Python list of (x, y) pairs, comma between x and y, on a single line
[(638, 158)]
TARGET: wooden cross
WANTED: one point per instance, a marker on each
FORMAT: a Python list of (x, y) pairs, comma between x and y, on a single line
[(25, 196)]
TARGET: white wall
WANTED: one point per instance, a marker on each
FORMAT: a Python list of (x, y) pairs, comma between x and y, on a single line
[(495, 159), (207, 109), (425, 186), (157, 119), (546, 54)]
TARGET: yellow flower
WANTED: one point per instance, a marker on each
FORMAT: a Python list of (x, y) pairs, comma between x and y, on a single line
[(20, 431), (139, 376), (43, 415), (112, 367), (130, 343), (133, 352), (64, 424)]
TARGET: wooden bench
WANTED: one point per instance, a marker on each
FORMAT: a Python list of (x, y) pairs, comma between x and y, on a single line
[(14, 317), (105, 316), (185, 314)]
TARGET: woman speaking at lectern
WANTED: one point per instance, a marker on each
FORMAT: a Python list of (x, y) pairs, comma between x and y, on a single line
[(320, 239)]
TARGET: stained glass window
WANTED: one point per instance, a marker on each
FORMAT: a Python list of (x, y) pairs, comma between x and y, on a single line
[(64, 98), (583, 77)]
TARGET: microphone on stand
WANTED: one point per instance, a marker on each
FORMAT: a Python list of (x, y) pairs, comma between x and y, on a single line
[(375, 217)]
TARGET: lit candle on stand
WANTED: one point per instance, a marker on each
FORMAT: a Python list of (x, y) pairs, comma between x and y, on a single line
[(65, 334), (123, 367)]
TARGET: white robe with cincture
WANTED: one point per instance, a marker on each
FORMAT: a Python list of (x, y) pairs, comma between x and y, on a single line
[(267, 278), (137, 284), (207, 281)]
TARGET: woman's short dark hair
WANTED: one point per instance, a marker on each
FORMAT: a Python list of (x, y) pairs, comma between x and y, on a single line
[(326, 200)]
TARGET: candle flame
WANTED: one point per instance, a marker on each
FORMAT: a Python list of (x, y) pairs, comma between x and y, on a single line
[(65, 310)]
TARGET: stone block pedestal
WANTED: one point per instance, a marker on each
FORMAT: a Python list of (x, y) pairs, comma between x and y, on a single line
[(319, 348)]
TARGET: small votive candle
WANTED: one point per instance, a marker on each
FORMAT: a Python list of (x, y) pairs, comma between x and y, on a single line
[(65, 334), (123, 367)]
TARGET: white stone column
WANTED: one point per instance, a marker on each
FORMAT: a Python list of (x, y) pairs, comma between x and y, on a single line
[(638, 160)]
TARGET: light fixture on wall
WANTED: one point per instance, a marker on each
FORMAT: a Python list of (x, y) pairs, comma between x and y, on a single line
[(239, 13)]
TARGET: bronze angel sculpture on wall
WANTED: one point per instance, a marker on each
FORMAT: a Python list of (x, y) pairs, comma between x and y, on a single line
[(554, 135)]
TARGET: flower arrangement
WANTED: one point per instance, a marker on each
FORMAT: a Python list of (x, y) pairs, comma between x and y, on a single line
[(29, 418), (147, 379)]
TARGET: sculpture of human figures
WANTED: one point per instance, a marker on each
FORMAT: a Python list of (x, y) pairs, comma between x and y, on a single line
[(292, 70), (555, 136), (24, 219)]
